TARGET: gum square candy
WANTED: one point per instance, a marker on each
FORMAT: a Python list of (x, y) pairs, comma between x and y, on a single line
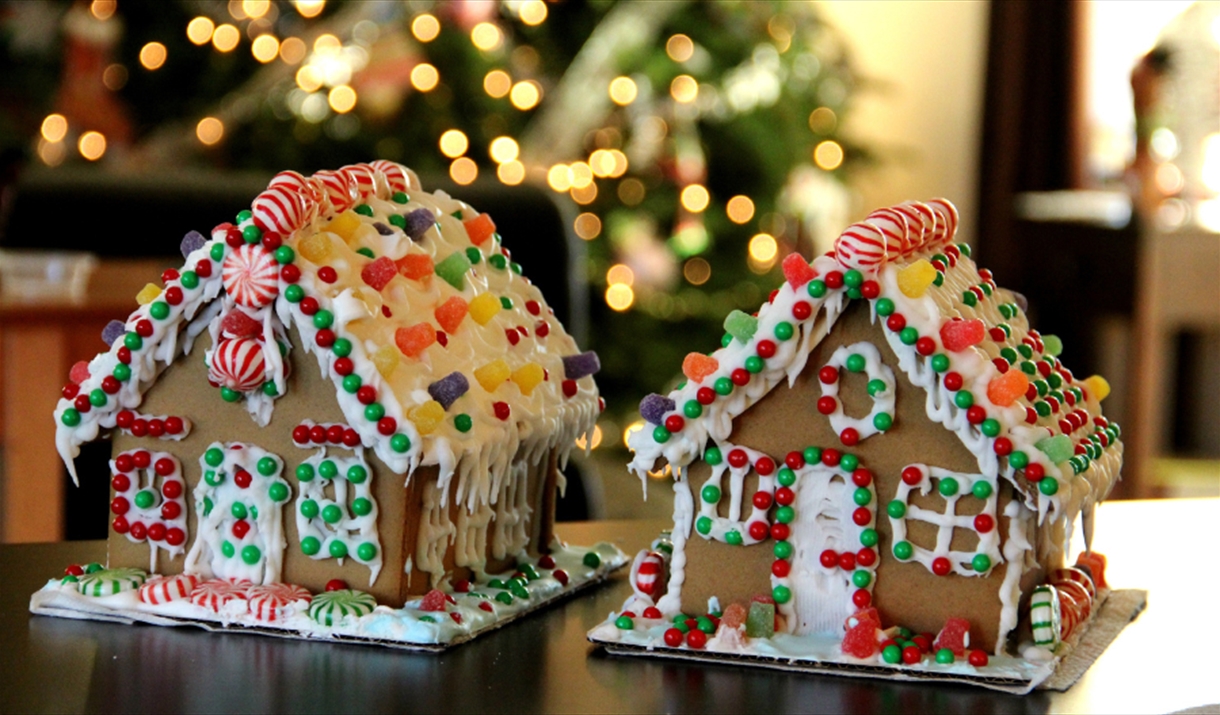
[(345, 226), (191, 242), (914, 280), (453, 270), (860, 641), (484, 307), (797, 270), (697, 366), (316, 248), (1057, 449), (378, 273), (492, 375), (528, 376), (760, 623), (451, 313), (1097, 386), (385, 359), (581, 365), (427, 416), (740, 326), (1052, 344), (654, 407), (1007, 388), (414, 340), (383, 229), (79, 372), (955, 636), (113, 331), (239, 325), (418, 222), (447, 389), (480, 228), (957, 335), (415, 266), (148, 294)]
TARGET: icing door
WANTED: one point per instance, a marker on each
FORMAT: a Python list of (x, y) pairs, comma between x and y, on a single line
[(821, 596)]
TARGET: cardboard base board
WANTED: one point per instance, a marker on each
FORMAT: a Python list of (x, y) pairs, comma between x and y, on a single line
[(402, 628), (821, 654)]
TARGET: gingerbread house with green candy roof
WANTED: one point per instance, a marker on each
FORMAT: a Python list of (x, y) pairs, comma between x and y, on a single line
[(349, 398), (885, 443)]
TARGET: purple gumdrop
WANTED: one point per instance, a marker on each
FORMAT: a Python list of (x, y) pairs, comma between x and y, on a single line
[(654, 407), (383, 229), (113, 331), (1021, 301), (418, 223), (191, 242), (447, 389), (581, 365)]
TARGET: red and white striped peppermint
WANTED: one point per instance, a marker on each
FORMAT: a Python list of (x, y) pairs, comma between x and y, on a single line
[(214, 593), (164, 589), (893, 227), (280, 208), (362, 178), (946, 221), (1074, 575), (395, 175), (268, 603), (649, 574), (337, 189), (920, 221), (238, 364), (251, 276), (861, 246)]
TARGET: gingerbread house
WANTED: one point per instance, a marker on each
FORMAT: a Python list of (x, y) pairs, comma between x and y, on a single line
[(349, 397), (885, 439)]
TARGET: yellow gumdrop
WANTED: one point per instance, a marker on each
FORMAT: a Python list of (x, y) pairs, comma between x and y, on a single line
[(316, 248), (385, 359), (528, 376), (148, 294), (1097, 386), (427, 416), (492, 375), (484, 307), (914, 280), (345, 225)]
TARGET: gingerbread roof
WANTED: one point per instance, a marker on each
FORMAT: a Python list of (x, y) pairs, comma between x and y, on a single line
[(440, 351), (988, 377)]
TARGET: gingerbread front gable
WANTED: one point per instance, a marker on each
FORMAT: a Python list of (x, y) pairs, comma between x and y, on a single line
[(437, 353), (1023, 425)]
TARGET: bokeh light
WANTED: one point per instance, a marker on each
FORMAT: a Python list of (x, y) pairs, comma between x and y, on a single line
[(533, 12), (309, 8), (424, 77), (152, 55), (497, 84), (103, 9), (463, 170), (503, 149), (739, 209), (486, 36), (199, 30), (763, 248), (293, 50), (425, 27), (225, 37), (679, 48), (210, 130), (454, 143), (619, 297), (684, 89), (525, 95), (265, 48), (54, 127), (623, 91), (823, 120), (695, 198), (92, 145), (511, 173), (620, 273), (342, 99), (828, 155), (697, 271), (587, 226)]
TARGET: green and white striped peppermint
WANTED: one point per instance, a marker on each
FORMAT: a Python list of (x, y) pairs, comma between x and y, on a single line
[(108, 582), (330, 607)]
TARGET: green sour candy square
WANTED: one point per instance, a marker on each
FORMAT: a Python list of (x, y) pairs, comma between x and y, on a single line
[(760, 623), (1057, 449), (453, 269), (740, 326)]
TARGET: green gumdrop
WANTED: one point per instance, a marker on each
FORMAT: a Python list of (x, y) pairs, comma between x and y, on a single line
[(760, 622), (1057, 449), (740, 325), (1052, 344), (453, 269)]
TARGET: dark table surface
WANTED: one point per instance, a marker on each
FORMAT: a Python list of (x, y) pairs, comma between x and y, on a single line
[(1161, 663)]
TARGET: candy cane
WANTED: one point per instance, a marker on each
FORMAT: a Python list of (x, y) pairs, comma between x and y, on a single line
[(214, 593), (269, 603), (163, 589)]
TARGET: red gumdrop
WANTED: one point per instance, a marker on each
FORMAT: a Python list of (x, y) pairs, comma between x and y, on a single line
[(239, 325), (378, 273), (860, 641), (79, 372), (415, 266), (433, 601), (797, 270), (957, 335), (480, 228), (652, 612), (955, 636), (451, 313), (862, 616)]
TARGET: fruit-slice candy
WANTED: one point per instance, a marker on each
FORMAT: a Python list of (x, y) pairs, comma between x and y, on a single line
[(385, 359), (740, 325), (860, 641), (148, 294), (760, 622), (427, 416), (1007, 388), (316, 248), (955, 636), (453, 269), (415, 266), (345, 225), (528, 376), (451, 313), (492, 375), (1052, 345), (1097, 386)]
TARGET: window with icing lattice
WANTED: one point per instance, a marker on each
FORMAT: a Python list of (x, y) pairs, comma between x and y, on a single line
[(957, 490)]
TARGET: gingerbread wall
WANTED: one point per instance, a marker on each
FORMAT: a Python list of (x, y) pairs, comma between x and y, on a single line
[(787, 419)]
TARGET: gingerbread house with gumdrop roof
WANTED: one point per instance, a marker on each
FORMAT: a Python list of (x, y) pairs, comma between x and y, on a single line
[(886, 432), (352, 383)]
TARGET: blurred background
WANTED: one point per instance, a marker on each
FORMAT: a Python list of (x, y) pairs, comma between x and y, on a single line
[(648, 163)]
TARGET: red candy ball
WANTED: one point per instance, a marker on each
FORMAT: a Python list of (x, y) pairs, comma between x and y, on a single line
[(170, 510), (674, 423), (1034, 472), (861, 516), (350, 438), (696, 639), (242, 479), (911, 655), (764, 466), (849, 437), (831, 457), (784, 496), (834, 279), (762, 500), (336, 584), (334, 434), (241, 527), (120, 525), (780, 532), (120, 482), (866, 557), (156, 532), (829, 559), (870, 289), (366, 395), (120, 505), (300, 434), (795, 460), (941, 566), (740, 376), (326, 274), (983, 523), (780, 568), (925, 346), (912, 476), (765, 348), (975, 415), (861, 598), (758, 530), (977, 658), (175, 536), (164, 466), (738, 458), (138, 531), (124, 463), (344, 366), (673, 637), (953, 381), (847, 561), (828, 374), (801, 310), (827, 404), (387, 425), (895, 322), (142, 459), (705, 395), (862, 477)]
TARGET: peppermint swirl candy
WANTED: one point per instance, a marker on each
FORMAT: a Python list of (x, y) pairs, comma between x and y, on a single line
[(395, 175), (164, 589), (214, 593), (280, 208), (892, 233), (331, 607), (336, 189), (362, 178), (269, 603), (251, 276), (108, 582), (239, 364)]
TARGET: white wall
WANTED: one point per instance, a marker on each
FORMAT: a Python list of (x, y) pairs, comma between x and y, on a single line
[(924, 115)]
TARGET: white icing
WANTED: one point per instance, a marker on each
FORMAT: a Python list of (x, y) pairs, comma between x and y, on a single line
[(949, 520), (352, 529), (874, 369), (147, 479)]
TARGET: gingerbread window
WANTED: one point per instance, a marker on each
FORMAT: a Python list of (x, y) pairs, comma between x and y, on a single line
[(959, 518)]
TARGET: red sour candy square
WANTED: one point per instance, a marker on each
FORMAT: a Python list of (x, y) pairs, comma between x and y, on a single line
[(861, 641), (378, 273), (797, 270), (955, 636), (957, 335)]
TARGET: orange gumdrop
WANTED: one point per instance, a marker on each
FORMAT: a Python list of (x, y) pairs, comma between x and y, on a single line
[(697, 366), (414, 340), (734, 615), (1007, 388), (415, 266), (480, 228), (451, 313)]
